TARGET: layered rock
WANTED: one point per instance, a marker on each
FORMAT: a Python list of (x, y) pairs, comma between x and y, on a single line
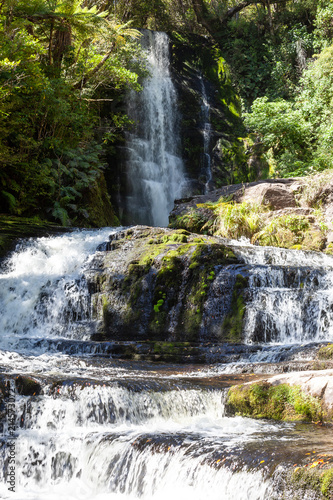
[(155, 283), (294, 213)]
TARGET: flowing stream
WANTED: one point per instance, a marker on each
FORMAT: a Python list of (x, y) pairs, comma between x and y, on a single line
[(154, 168), (101, 428)]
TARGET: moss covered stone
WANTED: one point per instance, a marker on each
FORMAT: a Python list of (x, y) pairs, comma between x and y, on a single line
[(307, 479), (326, 352), (277, 402), (160, 286), (100, 212), (197, 62), (232, 326)]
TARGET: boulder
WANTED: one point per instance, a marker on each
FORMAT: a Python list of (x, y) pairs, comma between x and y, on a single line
[(276, 196), (317, 383)]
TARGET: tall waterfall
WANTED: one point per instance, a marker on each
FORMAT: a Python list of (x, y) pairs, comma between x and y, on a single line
[(154, 168)]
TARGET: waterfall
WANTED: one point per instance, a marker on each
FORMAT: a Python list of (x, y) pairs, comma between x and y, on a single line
[(154, 169), (289, 298), (206, 132), (94, 428)]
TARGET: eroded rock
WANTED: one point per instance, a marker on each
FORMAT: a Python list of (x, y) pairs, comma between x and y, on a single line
[(155, 283)]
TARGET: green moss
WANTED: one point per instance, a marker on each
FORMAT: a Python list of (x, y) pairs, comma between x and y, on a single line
[(166, 291), (326, 352), (320, 481), (329, 249), (196, 220), (232, 326), (279, 402), (98, 206)]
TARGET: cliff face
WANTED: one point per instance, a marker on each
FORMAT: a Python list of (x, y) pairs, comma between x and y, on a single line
[(210, 114)]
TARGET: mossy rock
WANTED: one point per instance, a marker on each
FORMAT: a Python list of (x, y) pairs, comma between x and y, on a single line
[(162, 287), (232, 326), (325, 352), (307, 480), (277, 402), (13, 228)]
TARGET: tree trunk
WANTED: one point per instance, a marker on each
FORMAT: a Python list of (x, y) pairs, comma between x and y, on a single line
[(214, 24), (51, 42)]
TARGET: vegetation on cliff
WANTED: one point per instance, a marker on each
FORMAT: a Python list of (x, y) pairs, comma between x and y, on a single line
[(65, 67)]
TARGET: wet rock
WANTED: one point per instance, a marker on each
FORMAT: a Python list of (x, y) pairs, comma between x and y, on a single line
[(156, 283), (318, 385)]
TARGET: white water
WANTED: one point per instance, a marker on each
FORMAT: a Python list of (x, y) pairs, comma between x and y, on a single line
[(154, 168), (112, 432), (43, 292), (102, 429), (290, 295)]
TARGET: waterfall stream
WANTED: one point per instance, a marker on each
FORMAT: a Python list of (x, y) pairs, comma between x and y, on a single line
[(102, 428), (154, 168)]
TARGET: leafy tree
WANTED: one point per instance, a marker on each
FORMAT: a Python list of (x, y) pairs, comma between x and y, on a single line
[(284, 132), (58, 57), (298, 135)]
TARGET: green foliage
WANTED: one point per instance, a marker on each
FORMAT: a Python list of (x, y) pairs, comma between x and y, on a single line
[(326, 352), (307, 478), (298, 135), (238, 219), (285, 133), (291, 231), (55, 65)]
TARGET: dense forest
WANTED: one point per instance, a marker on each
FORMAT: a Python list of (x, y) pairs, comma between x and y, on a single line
[(63, 62)]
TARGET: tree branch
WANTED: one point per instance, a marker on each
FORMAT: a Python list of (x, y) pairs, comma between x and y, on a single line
[(92, 72), (215, 24)]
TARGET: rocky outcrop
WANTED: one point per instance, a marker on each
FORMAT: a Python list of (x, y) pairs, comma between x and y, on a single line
[(306, 395), (291, 213), (262, 192), (13, 228), (202, 79), (318, 384), (161, 284), (275, 196)]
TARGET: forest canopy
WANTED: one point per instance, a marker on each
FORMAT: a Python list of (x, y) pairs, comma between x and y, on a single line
[(63, 63)]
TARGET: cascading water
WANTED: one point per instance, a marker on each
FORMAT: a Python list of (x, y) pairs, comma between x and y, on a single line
[(154, 169), (289, 297), (98, 429), (101, 429)]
